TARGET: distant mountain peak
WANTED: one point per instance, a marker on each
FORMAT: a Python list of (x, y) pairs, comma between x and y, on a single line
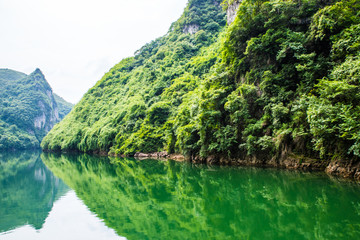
[(38, 71), (28, 109)]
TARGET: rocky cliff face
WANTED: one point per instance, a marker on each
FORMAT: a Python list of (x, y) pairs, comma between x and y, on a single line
[(191, 28), (28, 109), (206, 15), (46, 109), (232, 11)]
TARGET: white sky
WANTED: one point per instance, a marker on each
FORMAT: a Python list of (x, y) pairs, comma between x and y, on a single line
[(74, 42)]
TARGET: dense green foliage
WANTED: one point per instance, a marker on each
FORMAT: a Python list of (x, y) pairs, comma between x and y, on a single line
[(171, 200), (283, 77), (28, 109), (140, 96)]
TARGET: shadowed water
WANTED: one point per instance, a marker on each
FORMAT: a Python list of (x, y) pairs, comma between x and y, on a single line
[(153, 199)]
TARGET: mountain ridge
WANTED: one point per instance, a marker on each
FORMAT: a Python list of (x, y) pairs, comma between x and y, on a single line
[(28, 109)]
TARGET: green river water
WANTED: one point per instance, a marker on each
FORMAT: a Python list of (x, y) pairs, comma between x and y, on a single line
[(53, 196)]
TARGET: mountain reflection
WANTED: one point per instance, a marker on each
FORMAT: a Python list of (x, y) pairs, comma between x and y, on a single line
[(27, 190), (153, 199)]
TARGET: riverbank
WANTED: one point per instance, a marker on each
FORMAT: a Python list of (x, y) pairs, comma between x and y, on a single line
[(338, 168)]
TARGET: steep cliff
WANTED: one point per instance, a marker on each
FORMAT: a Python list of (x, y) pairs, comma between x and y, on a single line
[(232, 7), (28, 109), (281, 80)]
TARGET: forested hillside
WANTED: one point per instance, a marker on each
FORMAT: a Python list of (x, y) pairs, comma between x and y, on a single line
[(282, 78), (28, 109)]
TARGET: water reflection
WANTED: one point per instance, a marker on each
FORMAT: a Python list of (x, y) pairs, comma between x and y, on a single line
[(153, 199), (28, 190)]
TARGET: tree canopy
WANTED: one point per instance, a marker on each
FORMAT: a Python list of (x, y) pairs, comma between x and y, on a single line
[(283, 77)]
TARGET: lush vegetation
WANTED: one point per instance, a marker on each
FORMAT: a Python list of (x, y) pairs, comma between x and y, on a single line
[(283, 77), (171, 200), (28, 109)]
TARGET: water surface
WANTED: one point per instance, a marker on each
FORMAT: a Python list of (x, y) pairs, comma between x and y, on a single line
[(36, 205), (153, 199)]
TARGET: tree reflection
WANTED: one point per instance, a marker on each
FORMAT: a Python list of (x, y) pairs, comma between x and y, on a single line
[(27, 190), (153, 199)]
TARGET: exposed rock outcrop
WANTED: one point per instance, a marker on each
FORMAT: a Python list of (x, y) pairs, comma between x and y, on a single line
[(47, 111), (159, 155), (232, 11), (39, 122), (191, 28), (349, 170), (344, 169)]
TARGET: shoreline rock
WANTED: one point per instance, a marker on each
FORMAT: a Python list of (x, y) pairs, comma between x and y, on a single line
[(343, 169), (159, 155), (338, 168)]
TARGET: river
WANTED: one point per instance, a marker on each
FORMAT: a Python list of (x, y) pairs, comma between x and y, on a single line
[(80, 196)]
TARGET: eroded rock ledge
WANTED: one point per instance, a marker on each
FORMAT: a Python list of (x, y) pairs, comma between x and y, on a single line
[(344, 169), (160, 155)]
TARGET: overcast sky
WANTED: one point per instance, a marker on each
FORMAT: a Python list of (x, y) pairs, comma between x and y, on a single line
[(74, 42)]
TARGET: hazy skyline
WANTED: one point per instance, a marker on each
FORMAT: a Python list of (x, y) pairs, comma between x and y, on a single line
[(74, 42)]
